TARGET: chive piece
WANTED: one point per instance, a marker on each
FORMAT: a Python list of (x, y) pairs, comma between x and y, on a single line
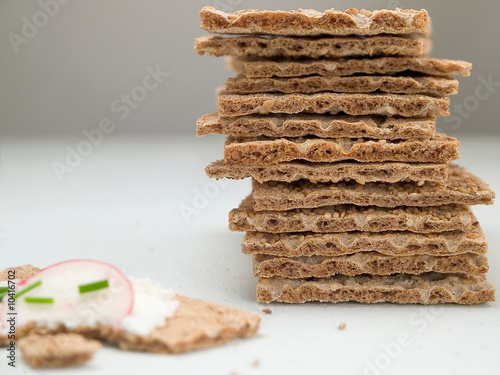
[(1, 296), (4, 289), (28, 288), (38, 300), (86, 288)]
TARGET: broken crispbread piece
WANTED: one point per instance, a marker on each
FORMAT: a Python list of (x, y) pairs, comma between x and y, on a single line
[(290, 47), (349, 218), (428, 289), (308, 22), (59, 350), (264, 150), (434, 86), (196, 325), (333, 103), (371, 263), (397, 243), (331, 172), (317, 125), (263, 68), (462, 187)]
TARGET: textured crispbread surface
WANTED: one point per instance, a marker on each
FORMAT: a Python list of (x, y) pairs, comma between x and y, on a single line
[(333, 103), (59, 350), (317, 125), (196, 324), (366, 263), (462, 187), (262, 68), (425, 85), (348, 218), (331, 172), (290, 47), (388, 243), (311, 22), (264, 150), (427, 289)]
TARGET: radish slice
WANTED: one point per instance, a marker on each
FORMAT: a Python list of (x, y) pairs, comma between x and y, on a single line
[(107, 306)]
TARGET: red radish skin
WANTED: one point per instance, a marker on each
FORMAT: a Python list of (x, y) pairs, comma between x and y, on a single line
[(72, 267)]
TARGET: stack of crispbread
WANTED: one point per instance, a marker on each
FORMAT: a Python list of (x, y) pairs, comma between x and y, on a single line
[(354, 197)]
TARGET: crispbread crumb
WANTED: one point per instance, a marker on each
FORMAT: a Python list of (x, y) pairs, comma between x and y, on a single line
[(60, 350), (342, 326), (267, 311)]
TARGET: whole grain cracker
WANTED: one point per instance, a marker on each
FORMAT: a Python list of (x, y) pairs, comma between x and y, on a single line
[(264, 150), (317, 125), (397, 243), (349, 218), (435, 86), (252, 67), (333, 103), (462, 187), (371, 263), (309, 22), (290, 47), (59, 350), (332, 172), (427, 289)]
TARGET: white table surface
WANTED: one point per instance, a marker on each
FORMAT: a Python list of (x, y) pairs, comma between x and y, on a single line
[(121, 205)]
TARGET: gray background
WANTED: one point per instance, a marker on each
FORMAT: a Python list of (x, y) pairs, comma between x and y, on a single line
[(89, 53)]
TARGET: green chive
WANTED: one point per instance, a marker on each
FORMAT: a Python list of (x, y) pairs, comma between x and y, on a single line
[(38, 300), (4, 289), (1, 296), (28, 288), (86, 288)]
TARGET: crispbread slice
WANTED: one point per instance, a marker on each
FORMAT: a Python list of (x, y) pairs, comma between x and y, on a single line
[(366, 263), (399, 243), (331, 172), (264, 150), (462, 188), (333, 103), (196, 324), (262, 68), (425, 85), (427, 289), (311, 22), (290, 47), (59, 350), (349, 218), (318, 125)]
